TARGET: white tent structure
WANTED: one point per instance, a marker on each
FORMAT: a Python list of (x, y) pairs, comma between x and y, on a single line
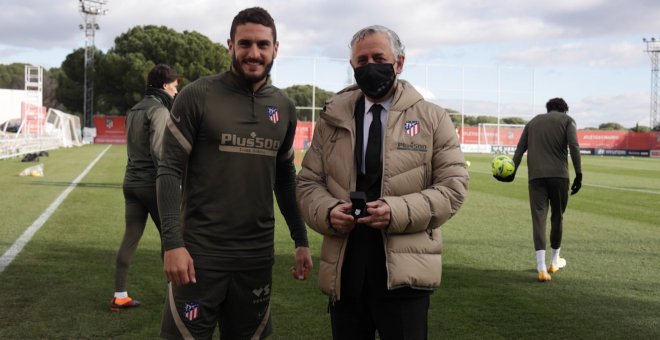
[(57, 129), (26, 126)]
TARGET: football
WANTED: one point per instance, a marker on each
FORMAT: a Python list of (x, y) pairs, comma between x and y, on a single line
[(503, 166)]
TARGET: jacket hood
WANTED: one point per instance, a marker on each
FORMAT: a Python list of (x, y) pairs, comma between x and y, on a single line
[(339, 110)]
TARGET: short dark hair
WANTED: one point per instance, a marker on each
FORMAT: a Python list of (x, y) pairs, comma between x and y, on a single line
[(556, 104), (254, 15), (161, 74)]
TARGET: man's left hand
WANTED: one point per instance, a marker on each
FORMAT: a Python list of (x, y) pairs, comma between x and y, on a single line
[(577, 183), (304, 264), (379, 215)]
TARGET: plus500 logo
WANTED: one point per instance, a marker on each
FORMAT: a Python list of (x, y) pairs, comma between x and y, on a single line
[(250, 142)]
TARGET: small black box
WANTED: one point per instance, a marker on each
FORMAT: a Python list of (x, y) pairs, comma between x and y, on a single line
[(359, 201)]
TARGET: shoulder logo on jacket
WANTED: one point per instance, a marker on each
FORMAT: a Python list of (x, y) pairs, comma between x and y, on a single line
[(273, 114)]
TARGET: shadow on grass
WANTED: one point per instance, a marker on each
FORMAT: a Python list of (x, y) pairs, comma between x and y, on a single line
[(81, 184), (476, 303), (62, 288)]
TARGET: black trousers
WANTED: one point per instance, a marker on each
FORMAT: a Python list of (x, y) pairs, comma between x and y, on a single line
[(544, 191), (140, 202), (358, 318)]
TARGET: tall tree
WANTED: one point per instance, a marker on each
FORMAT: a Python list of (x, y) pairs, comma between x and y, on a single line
[(70, 81), (120, 74), (50, 88), (12, 76)]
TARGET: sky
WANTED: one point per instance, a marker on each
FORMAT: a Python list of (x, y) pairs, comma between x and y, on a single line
[(500, 58)]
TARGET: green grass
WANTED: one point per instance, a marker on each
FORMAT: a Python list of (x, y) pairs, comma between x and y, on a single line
[(60, 285)]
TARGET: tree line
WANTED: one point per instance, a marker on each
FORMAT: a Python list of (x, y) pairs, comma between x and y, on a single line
[(120, 75)]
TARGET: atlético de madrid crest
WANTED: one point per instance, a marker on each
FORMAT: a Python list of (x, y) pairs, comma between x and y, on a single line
[(273, 114), (411, 127), (191, 310)]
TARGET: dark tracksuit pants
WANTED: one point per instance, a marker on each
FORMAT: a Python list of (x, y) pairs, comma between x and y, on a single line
[(552, 191), (140, 202)]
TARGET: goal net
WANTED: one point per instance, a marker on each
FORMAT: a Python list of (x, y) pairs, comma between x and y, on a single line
[(500, 138)]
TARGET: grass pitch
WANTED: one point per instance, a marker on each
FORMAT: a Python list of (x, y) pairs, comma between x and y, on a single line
[(60, 285)]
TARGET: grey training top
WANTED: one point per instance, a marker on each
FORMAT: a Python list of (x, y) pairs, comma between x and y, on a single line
[(145, 125), (547, 139), (231, 148)]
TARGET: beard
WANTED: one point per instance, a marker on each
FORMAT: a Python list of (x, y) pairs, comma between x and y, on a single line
[(251, 78)]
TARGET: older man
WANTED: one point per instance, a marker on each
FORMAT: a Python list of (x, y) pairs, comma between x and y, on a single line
[(381, 144)]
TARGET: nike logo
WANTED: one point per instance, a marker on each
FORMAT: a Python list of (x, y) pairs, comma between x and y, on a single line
[(175, 118)]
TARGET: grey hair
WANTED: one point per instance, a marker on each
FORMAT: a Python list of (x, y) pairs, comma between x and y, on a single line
[(395, 42)]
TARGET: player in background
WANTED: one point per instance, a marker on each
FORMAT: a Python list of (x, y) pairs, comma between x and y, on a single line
[(547, 139), (229, 145), (145, 125)]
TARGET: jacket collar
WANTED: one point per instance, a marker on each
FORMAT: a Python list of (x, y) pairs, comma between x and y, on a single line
[(339, 110), (243, 85)]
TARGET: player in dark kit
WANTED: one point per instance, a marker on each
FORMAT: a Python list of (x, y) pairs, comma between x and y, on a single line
[(547, 139), (228, 144), (145, 125)]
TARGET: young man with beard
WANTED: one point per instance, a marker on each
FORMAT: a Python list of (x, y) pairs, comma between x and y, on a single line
[(228, 144), (400, 152), (145, 125)]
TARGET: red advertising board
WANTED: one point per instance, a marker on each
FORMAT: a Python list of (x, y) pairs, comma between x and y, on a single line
[(110, 129), (588, 139), (303, 138)]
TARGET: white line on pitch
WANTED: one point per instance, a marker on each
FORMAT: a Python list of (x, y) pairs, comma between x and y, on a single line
[(18, 245), (624, 189), (652, 192)]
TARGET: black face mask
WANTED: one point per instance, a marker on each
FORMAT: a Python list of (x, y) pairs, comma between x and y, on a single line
[(375, 80)]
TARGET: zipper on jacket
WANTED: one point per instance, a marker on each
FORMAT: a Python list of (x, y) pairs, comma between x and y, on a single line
[(338, 268), (387, 268), (254, 113)]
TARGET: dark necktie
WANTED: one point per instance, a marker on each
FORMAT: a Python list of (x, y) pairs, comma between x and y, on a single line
[(375, 143)]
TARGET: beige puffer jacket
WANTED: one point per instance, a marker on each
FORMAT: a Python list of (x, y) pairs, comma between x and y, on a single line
[(424, 183)]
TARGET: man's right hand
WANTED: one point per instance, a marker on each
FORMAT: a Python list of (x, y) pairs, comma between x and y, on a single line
[(341, 219), (178, 266)]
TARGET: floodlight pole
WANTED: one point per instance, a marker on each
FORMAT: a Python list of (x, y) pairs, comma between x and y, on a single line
[(653, 49), (90, 9)]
